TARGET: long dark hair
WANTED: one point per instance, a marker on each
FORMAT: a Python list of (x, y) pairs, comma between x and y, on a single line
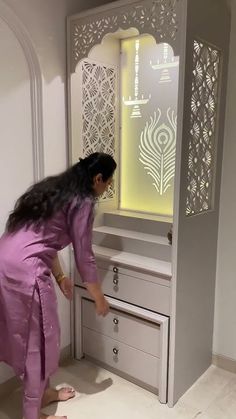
[(46, 197)]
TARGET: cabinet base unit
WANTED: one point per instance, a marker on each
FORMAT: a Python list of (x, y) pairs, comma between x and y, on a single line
[(131, 341)]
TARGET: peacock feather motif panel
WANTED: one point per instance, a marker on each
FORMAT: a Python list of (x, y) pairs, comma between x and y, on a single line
[(157, 149)]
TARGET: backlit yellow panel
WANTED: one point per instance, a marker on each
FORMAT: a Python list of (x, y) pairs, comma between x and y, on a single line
[(149, 89)]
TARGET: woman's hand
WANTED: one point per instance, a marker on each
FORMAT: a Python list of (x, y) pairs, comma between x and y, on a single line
[(102, 306), (95, 290), (66, 286)]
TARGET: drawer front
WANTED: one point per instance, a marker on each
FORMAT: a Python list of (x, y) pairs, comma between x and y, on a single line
[(136, 291), (137, 364), (137, 273), (125, 328)]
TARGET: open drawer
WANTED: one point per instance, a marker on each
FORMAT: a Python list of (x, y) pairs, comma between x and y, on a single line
[(123, 351)]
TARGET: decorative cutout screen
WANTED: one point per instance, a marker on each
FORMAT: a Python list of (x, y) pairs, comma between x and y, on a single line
[(98, 110), (202, 138), (156, 17)]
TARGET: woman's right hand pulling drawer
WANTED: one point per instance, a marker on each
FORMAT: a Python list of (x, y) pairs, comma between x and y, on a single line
[(95, 290)]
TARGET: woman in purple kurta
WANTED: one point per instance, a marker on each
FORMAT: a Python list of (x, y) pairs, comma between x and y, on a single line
[(50, 215)]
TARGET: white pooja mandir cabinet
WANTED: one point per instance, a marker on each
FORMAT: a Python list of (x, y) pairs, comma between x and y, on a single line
[(159, 330)]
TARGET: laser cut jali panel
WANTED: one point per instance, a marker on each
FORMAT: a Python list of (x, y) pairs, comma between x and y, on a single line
[(98, 111), (202, 136)]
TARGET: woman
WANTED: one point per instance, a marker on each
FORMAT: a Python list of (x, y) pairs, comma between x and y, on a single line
[(50, 215)]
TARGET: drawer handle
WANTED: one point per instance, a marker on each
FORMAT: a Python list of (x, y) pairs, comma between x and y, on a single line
[(115, 320), (115, 351), (115, 270), (115, 281)]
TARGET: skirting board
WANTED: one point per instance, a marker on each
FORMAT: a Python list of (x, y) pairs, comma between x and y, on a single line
[(13, 383), (225, 363)]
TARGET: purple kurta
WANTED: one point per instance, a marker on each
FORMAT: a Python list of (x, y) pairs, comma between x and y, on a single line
[(25, 266)]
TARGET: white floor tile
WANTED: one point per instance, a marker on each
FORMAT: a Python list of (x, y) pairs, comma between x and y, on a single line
[(103, 395), (158, 411), (224, 405), (207, 388)]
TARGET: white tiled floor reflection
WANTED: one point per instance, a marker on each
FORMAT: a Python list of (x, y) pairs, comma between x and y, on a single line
[(103, 395)]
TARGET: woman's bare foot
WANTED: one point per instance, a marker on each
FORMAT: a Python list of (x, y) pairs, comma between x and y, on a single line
[(42, 416), (52, 395)]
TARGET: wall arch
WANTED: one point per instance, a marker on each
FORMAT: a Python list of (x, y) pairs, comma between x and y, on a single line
[(20, 32)]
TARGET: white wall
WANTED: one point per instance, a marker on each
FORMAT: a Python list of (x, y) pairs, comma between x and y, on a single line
[(225, 302)]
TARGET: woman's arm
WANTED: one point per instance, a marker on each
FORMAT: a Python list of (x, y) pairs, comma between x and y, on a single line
[(57, 270), (64, 283), (81, 225)]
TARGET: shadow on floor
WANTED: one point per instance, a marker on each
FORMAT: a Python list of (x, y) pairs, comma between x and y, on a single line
[(83, 376)]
